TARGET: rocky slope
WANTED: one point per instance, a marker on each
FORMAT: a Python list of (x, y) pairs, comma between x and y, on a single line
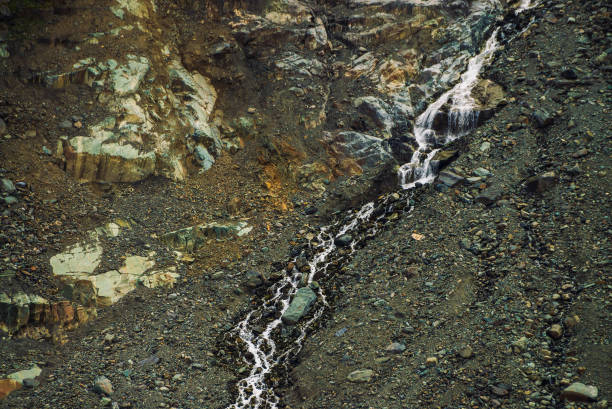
[(200, 145)]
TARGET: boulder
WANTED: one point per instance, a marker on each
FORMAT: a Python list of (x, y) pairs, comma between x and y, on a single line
[(90, 160), (301, 304), (7, 386), (126, 78), (541, 183), (579, 392)]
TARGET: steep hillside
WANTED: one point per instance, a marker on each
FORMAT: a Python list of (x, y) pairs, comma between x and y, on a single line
[(168, 169)]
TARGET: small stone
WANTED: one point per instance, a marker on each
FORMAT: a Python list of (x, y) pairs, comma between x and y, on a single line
[(2, 127), (500, 390), (466, 352), (7, 185), (105, 401), (78, 124), (541, 119), (31, 133), (361, 376), (30, 383), (431, 361), (485, 146), (46, 151), (541, 183), (580, 153), (254, 279), (569, 74), (579, 392), (489, 195), (520, 344), (571, 322), (102, 385), (555, 331), (65, 124), (482, 172), (395, 348)]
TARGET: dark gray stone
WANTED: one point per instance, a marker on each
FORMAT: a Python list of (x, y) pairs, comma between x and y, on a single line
[(344, 240)]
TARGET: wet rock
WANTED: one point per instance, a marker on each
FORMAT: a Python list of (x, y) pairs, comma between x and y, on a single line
[(103, 385), (541, 183), (450, 179), (445, 157), (303, 300), (579, 392), (344, 240), (541, 119), (361, 376)]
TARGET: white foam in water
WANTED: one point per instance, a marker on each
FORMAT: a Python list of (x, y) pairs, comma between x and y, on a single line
[(253, 393), (525, 5), (461, 119)]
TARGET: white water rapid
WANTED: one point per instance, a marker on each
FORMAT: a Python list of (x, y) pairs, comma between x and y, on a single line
[(263, 355), (461, 120)]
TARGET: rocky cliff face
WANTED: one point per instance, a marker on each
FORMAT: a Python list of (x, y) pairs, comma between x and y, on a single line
[(166, 165)]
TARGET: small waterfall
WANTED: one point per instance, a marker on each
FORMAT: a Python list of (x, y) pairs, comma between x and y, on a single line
[(462, 118), (525, 5)]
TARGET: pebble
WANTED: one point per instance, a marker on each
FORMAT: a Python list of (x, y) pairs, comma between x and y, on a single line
[(579, 392), (2, 127), (580, 153), (7, 185), (395, 348), (65, 124), (103, 385), (431, 361), (361, 376), (344, 240), (466, 352), (555, 331)]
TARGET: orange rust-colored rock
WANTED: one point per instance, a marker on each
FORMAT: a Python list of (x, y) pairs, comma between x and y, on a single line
[(65, 312), (7, 386)]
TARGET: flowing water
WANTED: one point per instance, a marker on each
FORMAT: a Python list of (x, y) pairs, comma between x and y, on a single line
[(263, 354)]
